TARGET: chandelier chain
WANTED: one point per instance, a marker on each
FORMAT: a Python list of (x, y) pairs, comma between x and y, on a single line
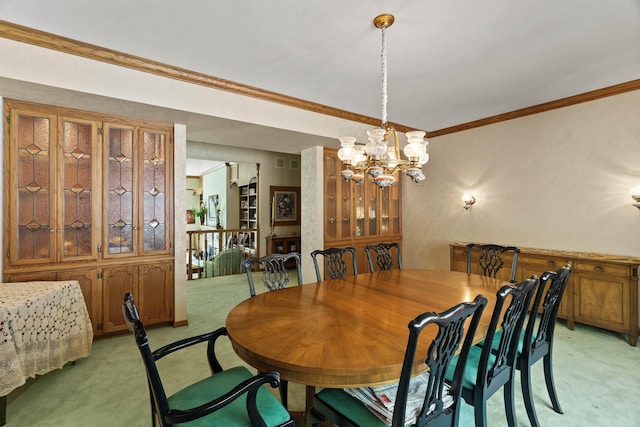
[(384, 78)]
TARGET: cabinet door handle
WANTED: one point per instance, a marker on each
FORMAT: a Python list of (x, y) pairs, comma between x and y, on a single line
[(552, 263), (598, 269)]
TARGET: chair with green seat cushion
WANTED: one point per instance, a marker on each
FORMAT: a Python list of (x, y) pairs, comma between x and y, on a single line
[(536, 343), (233, 397), (275, 276), (436, 407), (488, 371)]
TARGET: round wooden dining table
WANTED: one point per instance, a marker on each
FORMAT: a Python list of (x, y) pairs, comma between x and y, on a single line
[(349, 332)]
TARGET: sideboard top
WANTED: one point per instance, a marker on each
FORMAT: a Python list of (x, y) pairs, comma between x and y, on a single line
[(623, 259)]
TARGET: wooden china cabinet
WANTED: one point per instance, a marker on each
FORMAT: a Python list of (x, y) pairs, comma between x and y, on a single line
[(359, 214), (90, 197)]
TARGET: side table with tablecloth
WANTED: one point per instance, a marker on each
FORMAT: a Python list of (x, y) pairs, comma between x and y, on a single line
[(43, 325)]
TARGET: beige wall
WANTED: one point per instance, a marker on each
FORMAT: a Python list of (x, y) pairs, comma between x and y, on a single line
[(557, 180)]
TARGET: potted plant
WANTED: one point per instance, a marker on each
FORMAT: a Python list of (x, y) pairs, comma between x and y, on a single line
[(201, 213)]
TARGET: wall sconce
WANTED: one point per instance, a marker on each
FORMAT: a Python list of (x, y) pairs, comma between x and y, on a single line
[(635, 195), (468, 200)]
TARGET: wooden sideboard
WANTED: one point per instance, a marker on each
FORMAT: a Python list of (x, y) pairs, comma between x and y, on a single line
[(284, 245), (602, 290)]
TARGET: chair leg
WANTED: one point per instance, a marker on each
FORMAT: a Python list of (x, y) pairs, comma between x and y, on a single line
[(154, 417), (548, 378), (480, 413), (509, 404), (314, 418), (284, 393), (527, 393)]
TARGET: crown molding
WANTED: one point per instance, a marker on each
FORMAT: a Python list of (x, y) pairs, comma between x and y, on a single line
[(46, 40), (540, 108)]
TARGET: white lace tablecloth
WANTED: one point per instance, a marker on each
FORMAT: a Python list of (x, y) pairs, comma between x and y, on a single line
[(43, 325)]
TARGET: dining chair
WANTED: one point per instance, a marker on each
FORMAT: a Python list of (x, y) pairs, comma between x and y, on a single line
[(382, 252), (334, 264), (437, 404), (537, 341), (275, 276), (488, 371), (276, 273), (231, 396), (491, 259)]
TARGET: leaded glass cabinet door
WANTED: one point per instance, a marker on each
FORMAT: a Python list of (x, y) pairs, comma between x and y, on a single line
[(390, 209), (32, 210), (344, 207), (79, 224), (120, 187), (359, 203), (331, 176), (154, 181), (373, 196)]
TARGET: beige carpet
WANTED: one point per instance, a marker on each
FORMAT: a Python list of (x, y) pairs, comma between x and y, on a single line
[(597, 375)]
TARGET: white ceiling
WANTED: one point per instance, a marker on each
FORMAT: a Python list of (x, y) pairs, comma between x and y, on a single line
[(450, 62), (196, 167)]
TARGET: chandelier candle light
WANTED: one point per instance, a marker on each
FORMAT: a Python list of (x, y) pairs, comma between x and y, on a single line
[(377, 158)]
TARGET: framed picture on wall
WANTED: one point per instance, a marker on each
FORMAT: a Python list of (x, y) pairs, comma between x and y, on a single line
[(191, 218), (285, 205)]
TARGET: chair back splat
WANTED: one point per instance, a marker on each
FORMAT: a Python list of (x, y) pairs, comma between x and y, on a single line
[(228, 397), (439, 356), (434, 402), (537, 343), (491, 259), (276, 273), (335, 266), (383, 257)]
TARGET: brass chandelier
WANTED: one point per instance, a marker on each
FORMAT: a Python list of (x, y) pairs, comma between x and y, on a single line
[(378, 158)]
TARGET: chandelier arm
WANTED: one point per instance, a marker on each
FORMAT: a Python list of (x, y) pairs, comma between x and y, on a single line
[(396, 145), (394, 170)]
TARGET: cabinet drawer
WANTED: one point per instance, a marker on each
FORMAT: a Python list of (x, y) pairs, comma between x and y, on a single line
[(602, 267), (542, 263)]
